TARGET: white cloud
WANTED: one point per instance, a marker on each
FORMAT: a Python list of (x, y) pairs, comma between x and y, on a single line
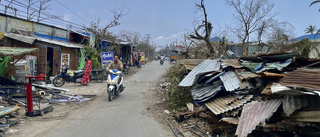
[(163, 40), (67, 17)]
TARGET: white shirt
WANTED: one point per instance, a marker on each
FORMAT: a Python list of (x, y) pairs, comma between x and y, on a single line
[(161, 57)]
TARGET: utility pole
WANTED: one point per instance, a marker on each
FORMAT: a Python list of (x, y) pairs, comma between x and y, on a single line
[(148, 40)]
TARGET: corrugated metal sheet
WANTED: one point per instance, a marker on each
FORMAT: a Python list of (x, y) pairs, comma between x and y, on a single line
[(228, 55), (231, 81), (277, 88), (309, 78), (255, 113), (190, 64), (26, 39), (203, 94), (60, 43), (13, 51), (293, 103), (232, 62), (205, 67), (226, 103), (305, 116), (243, 74), (277, 66)]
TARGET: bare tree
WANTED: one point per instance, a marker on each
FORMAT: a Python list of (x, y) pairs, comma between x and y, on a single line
[(207, 31), (8, 6), (31, 13), (102, 32), (252, 16), (43, 6)]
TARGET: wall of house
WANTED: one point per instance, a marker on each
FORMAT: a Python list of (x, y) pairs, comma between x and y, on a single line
[(314, 50), (73, 63)]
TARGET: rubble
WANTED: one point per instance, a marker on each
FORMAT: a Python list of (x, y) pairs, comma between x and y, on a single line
[(13, 100), (262, 95)]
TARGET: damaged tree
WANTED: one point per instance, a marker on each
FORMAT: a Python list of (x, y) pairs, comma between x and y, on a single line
[(207, 31), (253, 16), (101, 33)]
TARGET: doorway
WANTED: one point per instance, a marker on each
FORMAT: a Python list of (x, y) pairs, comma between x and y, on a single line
[(49, 71)]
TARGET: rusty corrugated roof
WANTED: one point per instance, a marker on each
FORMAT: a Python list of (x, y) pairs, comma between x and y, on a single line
[(226, 103), (255, 113), (309, 78), (190, 64), (232, 62), (292, 103), (203, 68)]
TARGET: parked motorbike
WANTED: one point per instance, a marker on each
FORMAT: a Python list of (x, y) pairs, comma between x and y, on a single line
[(115, 85), (125, 69), (64, 77), (161, 61)]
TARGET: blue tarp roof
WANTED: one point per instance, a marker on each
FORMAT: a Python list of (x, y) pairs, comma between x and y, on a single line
[(215, 39), (310, 37)]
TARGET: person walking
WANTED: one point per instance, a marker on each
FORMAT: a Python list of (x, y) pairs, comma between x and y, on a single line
[(87, 70)]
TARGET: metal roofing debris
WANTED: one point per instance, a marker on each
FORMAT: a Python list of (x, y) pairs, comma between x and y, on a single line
[(205, 67), (279, 56), (231, 81), (226, 103), (203, 94), (230, 120), (305, 116), (190, 64), (232, 62), (309, 78), (278, 66), (293, 103), (243, 74), (277, 88), (228, 55), (255, 113), (14, 51)]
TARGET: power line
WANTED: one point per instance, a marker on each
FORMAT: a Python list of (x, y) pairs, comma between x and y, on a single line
[(71, 11), (49, 15)]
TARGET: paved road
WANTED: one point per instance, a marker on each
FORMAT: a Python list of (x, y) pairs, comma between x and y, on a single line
[(120, 118)]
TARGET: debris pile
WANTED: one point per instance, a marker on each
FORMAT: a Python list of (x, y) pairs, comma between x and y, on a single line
[(13, 98), (269, 94)]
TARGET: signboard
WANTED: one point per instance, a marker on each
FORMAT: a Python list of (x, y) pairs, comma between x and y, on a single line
[(142, 59), (92, 40), (65, 58), (106, 58)]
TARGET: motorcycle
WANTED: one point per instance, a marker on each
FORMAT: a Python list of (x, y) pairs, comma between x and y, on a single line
[(64, 77), (114, 82), (161, 61)]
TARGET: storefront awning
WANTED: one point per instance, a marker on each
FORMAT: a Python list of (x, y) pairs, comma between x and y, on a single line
[(60, 43), (26, 39), (14, 51), (31, 40)]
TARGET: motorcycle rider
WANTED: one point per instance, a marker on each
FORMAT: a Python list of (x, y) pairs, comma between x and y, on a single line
[(116, 64), (162, 57)]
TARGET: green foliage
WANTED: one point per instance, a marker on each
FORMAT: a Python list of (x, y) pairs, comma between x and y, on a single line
[(177, 96), (95, 63), (95, 57)]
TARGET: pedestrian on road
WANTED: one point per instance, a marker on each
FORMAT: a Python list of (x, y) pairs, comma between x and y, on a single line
[(87, 68)]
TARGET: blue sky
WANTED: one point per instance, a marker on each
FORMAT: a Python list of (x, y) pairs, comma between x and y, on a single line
[(168, 20)]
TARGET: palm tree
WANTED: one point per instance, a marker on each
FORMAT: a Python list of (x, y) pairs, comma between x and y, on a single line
[(314, 2), (310, 29)]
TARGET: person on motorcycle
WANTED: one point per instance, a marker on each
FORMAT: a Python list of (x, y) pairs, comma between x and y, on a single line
[(116, 64), (162, 57)]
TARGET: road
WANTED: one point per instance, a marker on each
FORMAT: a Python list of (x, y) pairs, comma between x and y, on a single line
[(120, 118)]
